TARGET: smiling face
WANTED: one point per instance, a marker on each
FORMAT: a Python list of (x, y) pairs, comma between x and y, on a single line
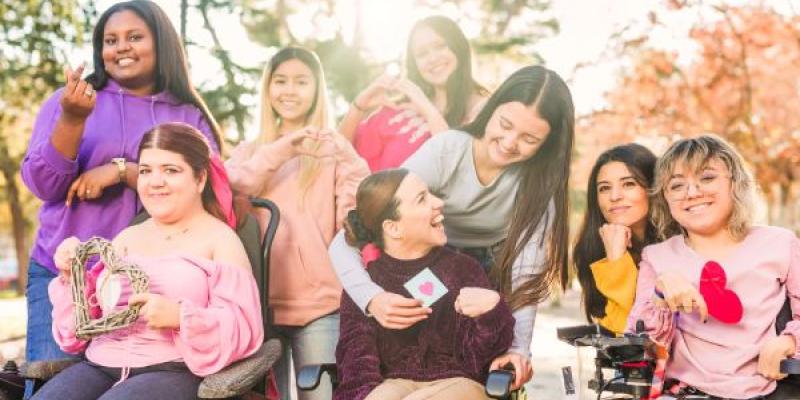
[(622, 200), (435, 61), (292, 88), (167, 186), (514, 133), (700, 201), (129, 52), (419, 227)]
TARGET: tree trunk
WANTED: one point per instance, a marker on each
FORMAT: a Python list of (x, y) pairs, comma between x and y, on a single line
[(9, 169), (184, 9)]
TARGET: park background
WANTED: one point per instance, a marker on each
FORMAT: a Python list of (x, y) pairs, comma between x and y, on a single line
[(647, 71)]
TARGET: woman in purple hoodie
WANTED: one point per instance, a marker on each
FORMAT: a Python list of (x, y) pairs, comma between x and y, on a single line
[(81, 161)]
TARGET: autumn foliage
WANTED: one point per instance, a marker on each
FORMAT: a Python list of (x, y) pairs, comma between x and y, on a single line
[(742, 81)]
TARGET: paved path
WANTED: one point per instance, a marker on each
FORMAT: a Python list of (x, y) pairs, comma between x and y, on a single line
[(550, 354)]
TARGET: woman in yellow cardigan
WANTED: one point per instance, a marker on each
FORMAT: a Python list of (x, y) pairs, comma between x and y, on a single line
[(615, 229)]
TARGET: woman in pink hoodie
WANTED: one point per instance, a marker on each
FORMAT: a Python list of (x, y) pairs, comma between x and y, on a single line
[(312, 174), (201, 312)]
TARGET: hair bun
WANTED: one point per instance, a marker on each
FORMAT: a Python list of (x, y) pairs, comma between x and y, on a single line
[(356, 234)]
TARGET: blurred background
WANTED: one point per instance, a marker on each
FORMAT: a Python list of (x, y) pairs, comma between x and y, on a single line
[(643, 71)]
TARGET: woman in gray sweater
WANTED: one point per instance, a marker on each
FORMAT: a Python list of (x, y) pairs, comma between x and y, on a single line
[(503, 180)]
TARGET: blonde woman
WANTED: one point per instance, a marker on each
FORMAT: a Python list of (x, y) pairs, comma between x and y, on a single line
[(312, 174)]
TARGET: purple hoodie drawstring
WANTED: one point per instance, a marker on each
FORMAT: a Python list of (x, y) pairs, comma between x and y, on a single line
[(121, 97)]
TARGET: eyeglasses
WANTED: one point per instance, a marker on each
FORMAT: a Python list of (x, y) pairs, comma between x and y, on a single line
[(707, 183)]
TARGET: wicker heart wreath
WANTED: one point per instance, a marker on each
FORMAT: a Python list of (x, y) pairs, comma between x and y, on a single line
[(85, 327)]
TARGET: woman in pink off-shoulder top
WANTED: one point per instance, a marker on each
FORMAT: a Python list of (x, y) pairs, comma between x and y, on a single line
[(202, 310), (688, 285)]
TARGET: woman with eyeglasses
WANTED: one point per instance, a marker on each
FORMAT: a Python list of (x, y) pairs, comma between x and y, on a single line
[(711, 291)]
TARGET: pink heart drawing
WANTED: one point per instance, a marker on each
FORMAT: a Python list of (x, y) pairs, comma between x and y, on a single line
[(723, 304), (426, 288)]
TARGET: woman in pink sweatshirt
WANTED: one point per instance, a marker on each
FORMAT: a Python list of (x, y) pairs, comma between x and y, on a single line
[(312, 174), (712, 290), (202, 310)]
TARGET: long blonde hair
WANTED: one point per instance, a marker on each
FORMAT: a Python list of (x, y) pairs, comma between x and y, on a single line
[(318, 116)]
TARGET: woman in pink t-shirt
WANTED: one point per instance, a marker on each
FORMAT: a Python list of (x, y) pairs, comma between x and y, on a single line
[(711, 292), (438, 93)]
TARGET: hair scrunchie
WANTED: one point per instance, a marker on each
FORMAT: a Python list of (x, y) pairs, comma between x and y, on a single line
[(222, 189)]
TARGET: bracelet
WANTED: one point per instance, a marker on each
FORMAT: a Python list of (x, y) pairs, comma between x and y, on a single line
[(120, 163)]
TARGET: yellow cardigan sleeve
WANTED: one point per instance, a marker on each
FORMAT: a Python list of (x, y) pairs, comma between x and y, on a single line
[(617, 281)]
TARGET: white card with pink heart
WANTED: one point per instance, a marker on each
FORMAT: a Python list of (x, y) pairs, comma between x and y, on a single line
[(426, 286)]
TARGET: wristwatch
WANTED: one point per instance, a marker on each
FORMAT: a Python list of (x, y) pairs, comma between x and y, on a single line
[(123, 173)]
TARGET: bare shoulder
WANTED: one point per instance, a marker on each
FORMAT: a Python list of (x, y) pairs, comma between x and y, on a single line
[(125, 238), (226, 247)]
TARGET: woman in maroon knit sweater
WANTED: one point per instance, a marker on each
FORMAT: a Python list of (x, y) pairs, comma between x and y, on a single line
[(445, 356)]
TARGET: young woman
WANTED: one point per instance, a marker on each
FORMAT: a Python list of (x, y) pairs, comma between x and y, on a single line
[(448, 355), (503, 182), (439, 93), (81, 161), (311, 173), (202, 312), (713, 289), (614, 231)]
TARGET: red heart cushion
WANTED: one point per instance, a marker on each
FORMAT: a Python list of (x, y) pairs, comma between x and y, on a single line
[(723, 304)]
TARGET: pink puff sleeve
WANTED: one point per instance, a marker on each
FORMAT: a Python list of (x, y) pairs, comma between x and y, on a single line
[(793, 290), (227, 329), (60, 293), (659, 322)]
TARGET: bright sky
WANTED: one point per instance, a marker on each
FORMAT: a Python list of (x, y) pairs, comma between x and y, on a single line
[(586, 27)]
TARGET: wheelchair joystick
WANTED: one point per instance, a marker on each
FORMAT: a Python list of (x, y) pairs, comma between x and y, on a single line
[(11, 367)]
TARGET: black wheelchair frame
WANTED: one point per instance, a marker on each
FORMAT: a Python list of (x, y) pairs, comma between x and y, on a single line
[(21, 383), (631, 359)]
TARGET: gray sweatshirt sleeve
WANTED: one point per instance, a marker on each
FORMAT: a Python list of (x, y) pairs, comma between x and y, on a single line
[(531, 261), (350, 270)]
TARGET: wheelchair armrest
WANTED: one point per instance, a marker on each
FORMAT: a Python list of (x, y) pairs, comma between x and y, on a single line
[(309, 376), (236, 379), (571, 334), (498, 383), (45, 369), (790, 366)]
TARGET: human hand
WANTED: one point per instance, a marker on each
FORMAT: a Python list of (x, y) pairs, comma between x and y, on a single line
[(64, 255), (616, 240), (376, 94), (78, 98), (158, 311), (416, 97), (394, 311), (305, 142), (474, 302), (523, 370), (90, 184), (680, 295), (333, 144), (772, 353)]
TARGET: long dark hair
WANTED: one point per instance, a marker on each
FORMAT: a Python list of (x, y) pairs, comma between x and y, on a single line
[(172, 71), (460, 85), (375, 203), (186, 140), (589, 246), (544, 178)]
